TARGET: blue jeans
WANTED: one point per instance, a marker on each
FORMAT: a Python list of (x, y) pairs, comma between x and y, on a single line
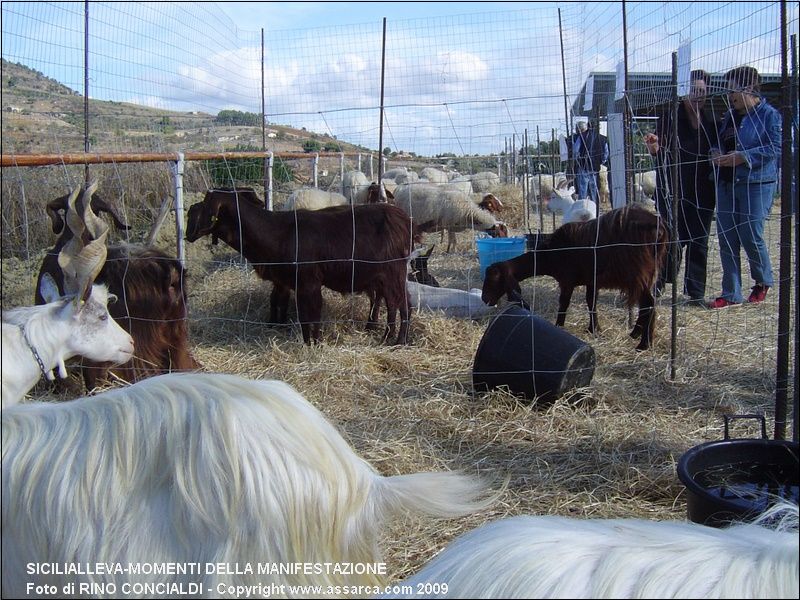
[(742, 208), (586, 185)]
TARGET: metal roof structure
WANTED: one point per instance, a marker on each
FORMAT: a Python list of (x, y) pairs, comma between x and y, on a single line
[(650, 93)]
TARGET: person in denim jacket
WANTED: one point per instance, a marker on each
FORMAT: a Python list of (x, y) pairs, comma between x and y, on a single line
[(747, 160)]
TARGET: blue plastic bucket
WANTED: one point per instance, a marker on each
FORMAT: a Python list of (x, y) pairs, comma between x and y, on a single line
[(492, 250)]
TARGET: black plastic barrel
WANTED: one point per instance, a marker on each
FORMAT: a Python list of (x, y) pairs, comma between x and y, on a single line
[(533, 358)]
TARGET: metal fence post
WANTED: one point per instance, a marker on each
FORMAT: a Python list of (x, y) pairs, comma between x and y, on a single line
[(177, 171)]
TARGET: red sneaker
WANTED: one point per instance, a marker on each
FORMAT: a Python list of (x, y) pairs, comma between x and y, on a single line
[(758, 294), (720, 303)]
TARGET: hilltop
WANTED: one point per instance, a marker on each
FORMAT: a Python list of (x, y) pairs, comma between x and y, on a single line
[(42, 115)]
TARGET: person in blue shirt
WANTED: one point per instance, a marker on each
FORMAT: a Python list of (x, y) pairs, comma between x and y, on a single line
[(588, 150), (746, 159)]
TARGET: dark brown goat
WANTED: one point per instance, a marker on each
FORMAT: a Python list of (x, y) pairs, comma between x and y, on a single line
[(623, 249), (349, 249), (151, 301)]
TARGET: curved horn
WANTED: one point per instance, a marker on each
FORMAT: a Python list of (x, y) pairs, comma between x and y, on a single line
[(82, 259)]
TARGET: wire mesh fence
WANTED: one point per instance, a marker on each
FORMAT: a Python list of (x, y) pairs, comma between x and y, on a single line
[(495, 92)]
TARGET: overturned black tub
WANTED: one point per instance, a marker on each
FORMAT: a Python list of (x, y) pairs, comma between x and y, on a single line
[(531, 357)]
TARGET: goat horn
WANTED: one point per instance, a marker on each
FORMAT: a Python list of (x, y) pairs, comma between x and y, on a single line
[(94, 224), (80, 261)]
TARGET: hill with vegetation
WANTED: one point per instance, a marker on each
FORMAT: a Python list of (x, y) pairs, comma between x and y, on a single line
[(42, 115)]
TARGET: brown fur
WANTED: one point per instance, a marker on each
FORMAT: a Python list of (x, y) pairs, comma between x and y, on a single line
[(304, 250), (623, 249)]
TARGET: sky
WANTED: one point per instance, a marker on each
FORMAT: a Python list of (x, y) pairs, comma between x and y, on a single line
[(460, 77), (306, 15)]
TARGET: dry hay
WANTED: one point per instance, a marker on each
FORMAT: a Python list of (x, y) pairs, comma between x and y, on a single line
[(609, 450)]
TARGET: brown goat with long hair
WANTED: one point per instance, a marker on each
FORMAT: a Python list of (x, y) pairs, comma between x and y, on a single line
[(150, 287), (623, 249), (349, 249)]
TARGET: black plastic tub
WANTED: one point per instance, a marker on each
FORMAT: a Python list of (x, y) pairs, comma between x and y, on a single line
[(531, 357), (738, 479)]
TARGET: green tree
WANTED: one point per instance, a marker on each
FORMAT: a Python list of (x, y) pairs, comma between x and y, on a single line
[(387, 151), (311, 146), (245, 171)]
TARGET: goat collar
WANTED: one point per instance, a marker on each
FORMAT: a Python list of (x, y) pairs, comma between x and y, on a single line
[(33, 351)]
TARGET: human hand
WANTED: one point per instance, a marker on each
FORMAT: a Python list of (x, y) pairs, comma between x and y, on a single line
[(731, 159), (651, 141)]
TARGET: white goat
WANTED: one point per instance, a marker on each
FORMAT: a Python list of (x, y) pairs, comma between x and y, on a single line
[(460, 304), (562, 201), (38, 339), (313, 199), (189, 468), (557, 557)]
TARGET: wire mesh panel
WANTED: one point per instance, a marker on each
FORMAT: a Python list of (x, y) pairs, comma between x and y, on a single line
[(495, 93)]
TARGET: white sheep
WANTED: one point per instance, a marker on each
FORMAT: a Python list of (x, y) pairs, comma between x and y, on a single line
[(313, 199), (434, 207), (644, 186), (352, 183), (434, 175), (558, 557), (196, 468), (541, 186), (485, 181), (460, 304)]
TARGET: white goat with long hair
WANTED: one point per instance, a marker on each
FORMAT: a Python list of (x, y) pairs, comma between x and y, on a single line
[(196, 468), (558, 557), (39, 339)]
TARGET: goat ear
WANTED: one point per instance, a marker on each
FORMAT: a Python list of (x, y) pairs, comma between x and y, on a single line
[(429, 252), (53, 209), (48, 288), (99, 205)]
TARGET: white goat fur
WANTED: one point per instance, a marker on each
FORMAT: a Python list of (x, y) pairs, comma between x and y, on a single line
[(460, 304), (189, 467), (313, 199), (59, 330), (558, 557), (582, 209)]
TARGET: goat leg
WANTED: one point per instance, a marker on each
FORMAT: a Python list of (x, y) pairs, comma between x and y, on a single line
[(591, 303), (374, 310), (646, 320), (405, 321), (564, 298), (279, 304)]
